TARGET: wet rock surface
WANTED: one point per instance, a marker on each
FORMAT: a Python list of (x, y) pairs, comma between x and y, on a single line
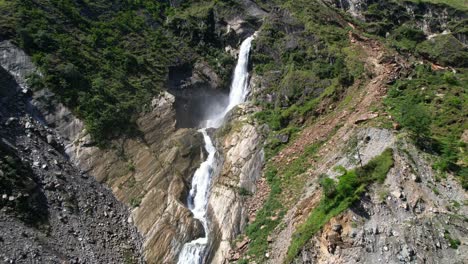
[(67, 216)]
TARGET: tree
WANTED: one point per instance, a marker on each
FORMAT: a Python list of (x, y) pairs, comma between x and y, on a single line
[(415, 117)]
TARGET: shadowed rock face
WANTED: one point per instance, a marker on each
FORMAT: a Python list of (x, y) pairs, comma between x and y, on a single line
[(197, 91), (191, 105)]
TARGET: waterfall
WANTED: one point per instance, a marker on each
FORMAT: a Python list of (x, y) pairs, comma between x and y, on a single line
[(194, 252), (239, 86)]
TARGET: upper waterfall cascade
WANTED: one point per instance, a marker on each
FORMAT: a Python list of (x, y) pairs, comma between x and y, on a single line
[(194, 252)]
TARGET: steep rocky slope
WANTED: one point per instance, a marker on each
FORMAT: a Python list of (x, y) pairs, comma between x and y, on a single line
[(406, 217), (240, 142), (331, 84), (143, 168), (134, 169), (51, 211)]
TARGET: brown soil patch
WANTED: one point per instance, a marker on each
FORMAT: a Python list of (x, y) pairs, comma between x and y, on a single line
[(384, 69), (342, 120)]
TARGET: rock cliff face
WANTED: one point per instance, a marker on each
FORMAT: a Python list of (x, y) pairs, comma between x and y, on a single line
[(150, 172), (16, 63), (408, 219), (240, 143), (51, 212)]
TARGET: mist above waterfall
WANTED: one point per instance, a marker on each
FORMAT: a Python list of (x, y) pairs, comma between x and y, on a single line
[(193, 105)]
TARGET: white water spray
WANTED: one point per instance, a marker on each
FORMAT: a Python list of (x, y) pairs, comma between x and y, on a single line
[(239, 86), (194, 252)]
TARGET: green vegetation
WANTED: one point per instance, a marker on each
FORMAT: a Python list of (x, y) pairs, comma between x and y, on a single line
[(431, 102), (106, 60), (444, 49), (339, 196), (135, 202), (244, 192), (406, 38), (459, 4), (283, 180), (317, 65), (454, 243), (7, 21), (391, 20), (307, 63), (131, 166), (129, 258), (101, 60), (431, 105)]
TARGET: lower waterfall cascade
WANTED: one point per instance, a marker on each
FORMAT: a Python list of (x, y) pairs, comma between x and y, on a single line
[(194, 252)]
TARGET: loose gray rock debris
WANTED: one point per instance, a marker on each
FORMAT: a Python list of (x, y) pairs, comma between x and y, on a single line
[(68, 217)]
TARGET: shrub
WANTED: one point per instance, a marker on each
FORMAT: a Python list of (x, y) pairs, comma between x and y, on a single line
[(329, 187), (348, 190), (454, 243), (416, 118), (244, 192), (135, 202), (405, 38)]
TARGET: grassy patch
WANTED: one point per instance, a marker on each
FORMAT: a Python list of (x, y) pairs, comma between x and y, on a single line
[(338, 197), (458, 4), (430, 105), (282, 179), (454, 243)]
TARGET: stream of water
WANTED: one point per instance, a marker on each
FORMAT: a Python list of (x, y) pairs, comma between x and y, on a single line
[(194, 252)]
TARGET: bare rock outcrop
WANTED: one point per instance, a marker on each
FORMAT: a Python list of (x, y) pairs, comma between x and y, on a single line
[(241, 145), (411, 218), (50, 211), (152, 174), (16, 62)]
